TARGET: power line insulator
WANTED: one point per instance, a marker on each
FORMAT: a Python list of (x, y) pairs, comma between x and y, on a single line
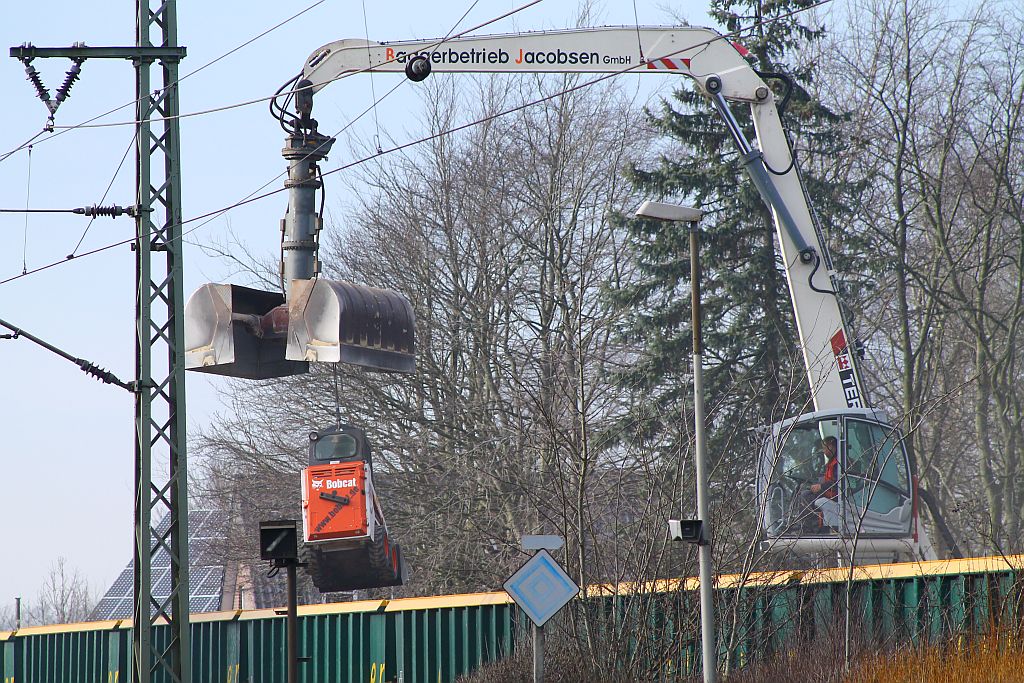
[(112, 211)]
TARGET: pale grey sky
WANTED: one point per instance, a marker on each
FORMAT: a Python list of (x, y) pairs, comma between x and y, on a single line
[(66, 447)]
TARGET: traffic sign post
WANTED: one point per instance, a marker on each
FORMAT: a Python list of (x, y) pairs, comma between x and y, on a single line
[(538, 653), (541, 588)]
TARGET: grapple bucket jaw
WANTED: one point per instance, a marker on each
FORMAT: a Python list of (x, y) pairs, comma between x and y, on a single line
[(223, 335), (335, 321), (252, 334)]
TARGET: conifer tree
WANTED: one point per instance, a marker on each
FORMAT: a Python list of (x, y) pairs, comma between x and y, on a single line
[(753, 370)]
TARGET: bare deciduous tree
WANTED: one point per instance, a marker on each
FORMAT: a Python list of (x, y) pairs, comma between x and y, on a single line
[(63, 598), (941, 145)]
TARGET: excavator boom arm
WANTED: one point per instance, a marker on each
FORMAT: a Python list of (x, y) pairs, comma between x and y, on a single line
[(720, 70), (694, 52)]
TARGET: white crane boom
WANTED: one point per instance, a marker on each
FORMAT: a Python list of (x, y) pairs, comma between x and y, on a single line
[(870, 499), (720, 69)]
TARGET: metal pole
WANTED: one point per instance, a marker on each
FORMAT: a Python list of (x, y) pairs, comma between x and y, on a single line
[(17, 614), (538, 654), (293, 626), (159, 340), (709, 662)]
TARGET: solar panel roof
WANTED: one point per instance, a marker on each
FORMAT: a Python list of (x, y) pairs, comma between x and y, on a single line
[(206, 571)]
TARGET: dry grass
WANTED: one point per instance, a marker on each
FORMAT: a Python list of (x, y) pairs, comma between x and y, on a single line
[(994, 658), (997, 657)]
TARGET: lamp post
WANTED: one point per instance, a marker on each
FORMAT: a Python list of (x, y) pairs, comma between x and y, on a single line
[(683, 214)]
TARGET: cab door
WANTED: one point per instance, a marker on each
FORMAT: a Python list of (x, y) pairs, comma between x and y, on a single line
[(876, 480)]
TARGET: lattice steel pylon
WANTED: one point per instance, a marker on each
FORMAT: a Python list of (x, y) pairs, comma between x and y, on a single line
[(160, 366), (159, 333)]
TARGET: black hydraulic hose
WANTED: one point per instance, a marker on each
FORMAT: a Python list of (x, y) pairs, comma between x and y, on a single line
[(788, 81), (810, 278)]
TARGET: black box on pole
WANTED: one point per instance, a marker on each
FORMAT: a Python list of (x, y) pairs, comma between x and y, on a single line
[(279, 540)]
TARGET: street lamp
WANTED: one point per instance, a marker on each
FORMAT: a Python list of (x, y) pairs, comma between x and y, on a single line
[(701, 530)]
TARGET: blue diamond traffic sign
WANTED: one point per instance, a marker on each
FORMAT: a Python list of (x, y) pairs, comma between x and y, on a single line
[(541, 587)]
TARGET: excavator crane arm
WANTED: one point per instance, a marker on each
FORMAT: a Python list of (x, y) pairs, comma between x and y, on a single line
[(721, 70), (694, 52), (876, 508)]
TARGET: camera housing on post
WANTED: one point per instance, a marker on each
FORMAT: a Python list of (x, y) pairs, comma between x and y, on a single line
[(279, 541), (689, 530)]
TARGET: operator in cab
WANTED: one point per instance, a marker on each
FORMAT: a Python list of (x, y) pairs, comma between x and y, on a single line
[(827, 485)]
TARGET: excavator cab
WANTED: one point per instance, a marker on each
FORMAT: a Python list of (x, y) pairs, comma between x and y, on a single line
[(869, 496), (347, 546)]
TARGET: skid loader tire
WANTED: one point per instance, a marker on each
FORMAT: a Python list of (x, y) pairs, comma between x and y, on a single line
[(367, 566), (379, 560)]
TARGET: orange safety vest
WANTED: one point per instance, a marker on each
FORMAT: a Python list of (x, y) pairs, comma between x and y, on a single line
[(831, 470)]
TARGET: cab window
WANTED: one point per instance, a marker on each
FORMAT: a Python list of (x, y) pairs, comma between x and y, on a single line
[(801, 456), (336, 447), (876, 467)]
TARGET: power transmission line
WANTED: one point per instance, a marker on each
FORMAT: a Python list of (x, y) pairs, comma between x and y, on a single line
[(87, 367), (85, 124)]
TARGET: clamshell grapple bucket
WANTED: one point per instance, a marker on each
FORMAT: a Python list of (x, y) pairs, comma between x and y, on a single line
[(338, 322), (253, 334), (238, 332)]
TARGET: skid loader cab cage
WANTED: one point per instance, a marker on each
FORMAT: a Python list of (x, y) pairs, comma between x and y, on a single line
[(338, 444)]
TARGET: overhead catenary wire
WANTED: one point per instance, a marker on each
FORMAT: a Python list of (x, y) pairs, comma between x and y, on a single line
[(22, 146), (210, 216), (73, 254), (434, 136), (84, 124), (288, 121), (403, 146), (373, 106), (87, 367), (373, 88), (246, 103), (28, 194), (85, 211), (280, 112), (92, 211), (636, 22)]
